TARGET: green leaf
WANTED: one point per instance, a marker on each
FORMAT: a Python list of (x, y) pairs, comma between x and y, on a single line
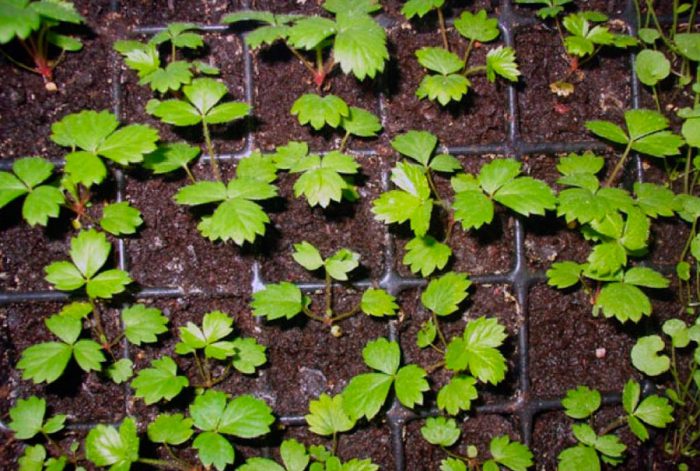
[(579, 457), (65, 327), (10, 188), (120, 371), (564, 274), (425, 255), (320, 111), (85, 168), (443, 88), (651, 67), (418, 145), (327, 416), (607, 258), (33, 457), (307, 256), (472, 209), (16, 19), (175, 112), (439, 60), (120, 218), (646, 358), (202, 192), (477, 351), (32, 171), (207, 409), (426, 335), (382, 355), (107, 284), (170, 156), (445, 163), (610, 446), (88, 355), (453, 464), (360, 45), (249, 355), (278, 300), (512, 455), (250, 15), (171, 429), (443, 295), (623, 301), (399, 206), (246, 417), (654, 200), (477, 27), (411, 179), (647, 130), (85, 130), (607, 130), (351, 6), (341, 263), (105, 446), (216, 325), (420, 8), (526, 196), (236, 219), (501, 61), (129, 144), (307, 33), (630, 396), (294, 455), (497, 173), (378, 303), (214, 449), (44, 362), (440, 431), (581, 402), (642, 276), (42, 203), (57, 10), (159, 382), (689, 45), (172, 77), (457, 395), (366, 394), (89, 251), (64, 276), (143, 324), (361, 123), (410, 384), (266, 35), (27, 417), (227, 112), (586, 163), (260, 464), (204, 94), (655, 411)]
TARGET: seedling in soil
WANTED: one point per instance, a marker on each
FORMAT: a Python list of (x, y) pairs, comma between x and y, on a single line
[(237, 216), (367, 393), (33, 25), (449, 77), (208, 343), (473, 206), (29, 178), (593, 447), (145, 58), (352, 39), (649, 355), (200, 105), (582, 35), (285, 300), (443, 432), (619, 226)]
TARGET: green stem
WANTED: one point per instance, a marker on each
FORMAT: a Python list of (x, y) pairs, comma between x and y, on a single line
[(686, 173), (441, 336), (656, 98), (689, 240), (443, 29), (345, 315), (435, 366), (17, 63), (477, 69), (200, 369), (210, 150), (691, 18), (674, 25), (313, 316), (334, 446), (173, 51), (320, 69), (98, 323), (667, 42), (468, 52), (189, 173), (164, 464), (301, 58), (619, 166), (328, 313), (344, 142), (615, 424), (176, 458)]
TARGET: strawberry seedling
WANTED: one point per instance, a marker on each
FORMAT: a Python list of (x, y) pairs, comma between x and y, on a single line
[(505, 453), (145, 58), (448, 79), (353, 39), (285, 300), (33, 25), (417, 195)]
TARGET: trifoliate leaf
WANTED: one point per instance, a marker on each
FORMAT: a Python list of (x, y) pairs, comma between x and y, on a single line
[(216, 325), (477, 27), (646, 357), (623, 301), (161, 381), (278, 300), (425, 255), (171, 429), (120, 218), (320, 111), (237, 219), (439, 60), (105, 446), (249, 355), (142, 324), (341, 263), (360, 45), (440, 431), (443, 88), (564, 274), (581, 402), (327, 416), (378, 303), (121, 371), (501, 61), (477, 351), (443, 295), (513, 455), (457, 395), (647, 130), (418, 145)]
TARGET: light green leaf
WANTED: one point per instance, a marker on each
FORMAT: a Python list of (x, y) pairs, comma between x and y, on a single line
[(170, 156), (689, 45), (238, 219), (308, 32), (382, 355), (361, 123), (33, 457), (85, 168), (174, 112), (307, 256), (42, 203), (246, 417), (120, 371), (89, 251), (477, 350), (341, 263), (420, 8), (227, 112), (161, 381), (278, 300), (171, 429), (623, 301), (201, 192), (410, 384), (501, 61), (107, 284), (564, 274), (27, 417), (579, 457), (497, 173), (439, 60), (643, 276), (513, 455), (320, 111), (129, 144), (425, 255), (443, 88), (526, 196), (44, 362), (477, 27), (581, 402), (651, 67), (472, 209), (214, 449), (646, 357), (64, 276), (105, 446), (120, 218), (419, 145), (366, 394), (607, 130), (88, 355), (85, 130), (249, 355), (378, 303), (457, 395), (327, 416), (360, 45), (294, 455), (143, 324), (443, 295), (440, 431)]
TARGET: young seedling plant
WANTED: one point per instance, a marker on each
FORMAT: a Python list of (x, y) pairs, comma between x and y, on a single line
[(594, 447), (417, 195), (286, 300), (352, 39), (443, 432), (145, 58), (448, 80), (33, 25)]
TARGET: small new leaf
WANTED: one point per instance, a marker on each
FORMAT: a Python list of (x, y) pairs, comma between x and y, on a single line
[(581, 402), (327, 416), (440, 431)]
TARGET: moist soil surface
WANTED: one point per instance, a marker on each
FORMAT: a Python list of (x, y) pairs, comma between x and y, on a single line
[(304, 360)]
